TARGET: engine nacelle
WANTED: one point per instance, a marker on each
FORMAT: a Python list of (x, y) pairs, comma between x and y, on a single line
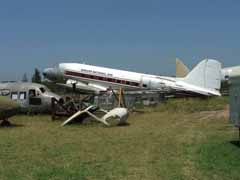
[(232, 72)]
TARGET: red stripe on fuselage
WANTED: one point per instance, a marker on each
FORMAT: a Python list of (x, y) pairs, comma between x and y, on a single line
[(100, 78)]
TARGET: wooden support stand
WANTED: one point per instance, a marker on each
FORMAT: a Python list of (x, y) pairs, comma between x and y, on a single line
[(120, 98)]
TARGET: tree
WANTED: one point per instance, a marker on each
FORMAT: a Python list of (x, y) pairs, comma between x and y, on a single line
[(25, 78), (37, 76)]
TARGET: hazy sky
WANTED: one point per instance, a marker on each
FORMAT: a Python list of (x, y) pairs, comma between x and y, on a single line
[(144, 36)]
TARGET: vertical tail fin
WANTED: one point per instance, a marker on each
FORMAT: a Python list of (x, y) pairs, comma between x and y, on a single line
[(181, 69), (207, 75)]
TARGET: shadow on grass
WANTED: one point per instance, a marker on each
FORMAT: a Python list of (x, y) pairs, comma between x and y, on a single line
[(8, 124), (236, 143), (124, 124)]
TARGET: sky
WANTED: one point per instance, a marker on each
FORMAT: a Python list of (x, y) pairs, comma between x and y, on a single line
[(138, 35)]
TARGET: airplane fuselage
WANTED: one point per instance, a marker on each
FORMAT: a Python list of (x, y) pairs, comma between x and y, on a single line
[(32, 96), (113, 78), (102, 78)]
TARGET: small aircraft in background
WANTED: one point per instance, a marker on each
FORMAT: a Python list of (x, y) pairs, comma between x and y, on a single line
[(203, 80), (226, 73), (30, 96), (21, 97)]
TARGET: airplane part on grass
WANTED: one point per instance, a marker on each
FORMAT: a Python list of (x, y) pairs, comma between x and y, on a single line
[(117, 116)]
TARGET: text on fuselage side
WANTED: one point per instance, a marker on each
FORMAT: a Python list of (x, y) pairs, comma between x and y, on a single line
[(96, 72)]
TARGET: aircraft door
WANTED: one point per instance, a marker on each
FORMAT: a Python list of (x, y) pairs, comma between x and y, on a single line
[(34, 98), (22, 98), (152, 83), (146, 82)]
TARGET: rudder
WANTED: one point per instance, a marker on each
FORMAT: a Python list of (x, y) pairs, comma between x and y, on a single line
[(207, 74)]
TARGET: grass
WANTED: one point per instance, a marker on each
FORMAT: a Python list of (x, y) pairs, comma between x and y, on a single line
[(191, 105), (160, 144)]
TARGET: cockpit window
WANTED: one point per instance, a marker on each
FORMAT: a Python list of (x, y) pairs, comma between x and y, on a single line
[(42, 89), (32, 93)]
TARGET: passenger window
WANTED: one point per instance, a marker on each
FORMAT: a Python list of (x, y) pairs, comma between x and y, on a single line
[(32, 93), (14, 96), (22, 95), (4, 92)]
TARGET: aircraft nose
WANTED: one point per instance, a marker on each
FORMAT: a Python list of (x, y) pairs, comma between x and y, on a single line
[(52, 74), (46, 72), (49, 73)]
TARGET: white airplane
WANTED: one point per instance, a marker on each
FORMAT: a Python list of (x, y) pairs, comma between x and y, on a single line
[(226, 73), (204, 79)]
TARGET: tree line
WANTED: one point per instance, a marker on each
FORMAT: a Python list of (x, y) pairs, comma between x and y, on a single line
[(36, 77)]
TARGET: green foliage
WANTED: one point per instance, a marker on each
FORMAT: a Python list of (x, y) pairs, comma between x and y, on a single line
[(25, 78), (36, 76), (8, 108), (218, 160), (6, 103), (54, 87), (191, 105)]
